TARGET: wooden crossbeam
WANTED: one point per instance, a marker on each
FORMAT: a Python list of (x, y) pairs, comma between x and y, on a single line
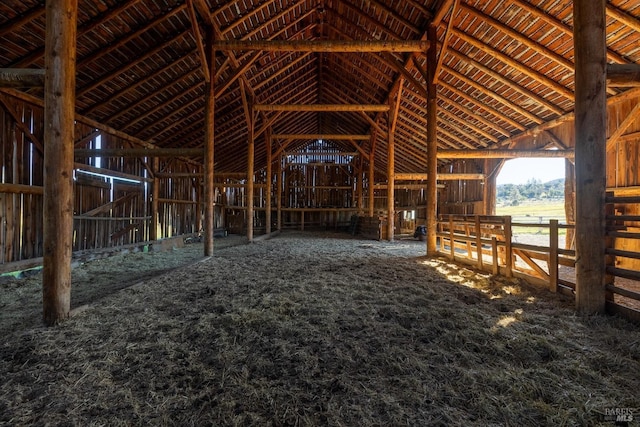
[(329, 137), (110, 205), (21, 189), (21, 77), (623, 75), (323, 45), (322, 107), (139, 152), (503, 154), (441, 176)]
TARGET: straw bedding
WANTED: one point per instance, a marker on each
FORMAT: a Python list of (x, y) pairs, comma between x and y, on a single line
[(310, 329)]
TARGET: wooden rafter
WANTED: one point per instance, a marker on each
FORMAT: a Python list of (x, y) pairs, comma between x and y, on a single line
[(508, 82), (126, 67), (501, 99), (453, 5), (82, 31), (198, 36), (485, 107), (132, 88), (561, 26), (129, 37), (514, 64)]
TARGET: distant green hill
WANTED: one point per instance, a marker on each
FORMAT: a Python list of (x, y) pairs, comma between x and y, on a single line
[(534, 189)]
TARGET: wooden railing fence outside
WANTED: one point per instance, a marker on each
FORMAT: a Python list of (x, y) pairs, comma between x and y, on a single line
[(487, 242)]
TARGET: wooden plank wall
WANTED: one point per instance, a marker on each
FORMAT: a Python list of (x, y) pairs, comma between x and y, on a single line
[(623, 176), (181, 200), (21, 163), (461, 196), (126, 221)]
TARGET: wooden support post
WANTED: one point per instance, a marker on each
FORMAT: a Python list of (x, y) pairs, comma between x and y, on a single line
[(432, 143), (209, 188), (269, 186), (155, 195), (590, 152), (494, 255), (553, 255), (359, 185), (391, 151), (279, 193), (467, 233), (371, 187), (59, 111), (508, 235), (452, 246), (250, 175), (479, 242)]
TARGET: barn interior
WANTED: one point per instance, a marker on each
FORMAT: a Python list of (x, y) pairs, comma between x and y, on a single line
[(138, 125), (248, 117)]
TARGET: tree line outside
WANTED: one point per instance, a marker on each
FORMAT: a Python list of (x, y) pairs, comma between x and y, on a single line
[(534, 189)]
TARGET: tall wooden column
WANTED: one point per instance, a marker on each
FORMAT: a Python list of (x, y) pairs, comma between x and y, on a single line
[(589, 31), (155, 195), (391, 179), (432, 143), (370, 189), (269, 186), (209, 188), (359, 185), (59, 111), (250, 173), (279, 193)]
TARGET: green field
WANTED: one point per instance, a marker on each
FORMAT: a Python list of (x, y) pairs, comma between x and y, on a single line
[(534, 212), (547, 209)]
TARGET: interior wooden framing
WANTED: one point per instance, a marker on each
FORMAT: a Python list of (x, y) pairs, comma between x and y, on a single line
[(306, 110)]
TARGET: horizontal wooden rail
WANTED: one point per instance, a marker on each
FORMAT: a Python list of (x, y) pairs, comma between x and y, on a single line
[(623, 199), (624, 292), (21, 189), (623, 235), (623, 217), (623, 254), (624, 273)]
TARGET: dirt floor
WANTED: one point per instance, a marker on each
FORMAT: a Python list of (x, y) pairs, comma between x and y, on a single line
[(309, 329)]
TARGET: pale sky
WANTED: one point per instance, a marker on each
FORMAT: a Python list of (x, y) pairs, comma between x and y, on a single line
[(520, 171)]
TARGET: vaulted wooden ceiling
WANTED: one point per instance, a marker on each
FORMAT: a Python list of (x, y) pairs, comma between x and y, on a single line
[(505, 67)]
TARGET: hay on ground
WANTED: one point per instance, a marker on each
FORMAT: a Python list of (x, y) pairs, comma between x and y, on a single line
[(309, 330)]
